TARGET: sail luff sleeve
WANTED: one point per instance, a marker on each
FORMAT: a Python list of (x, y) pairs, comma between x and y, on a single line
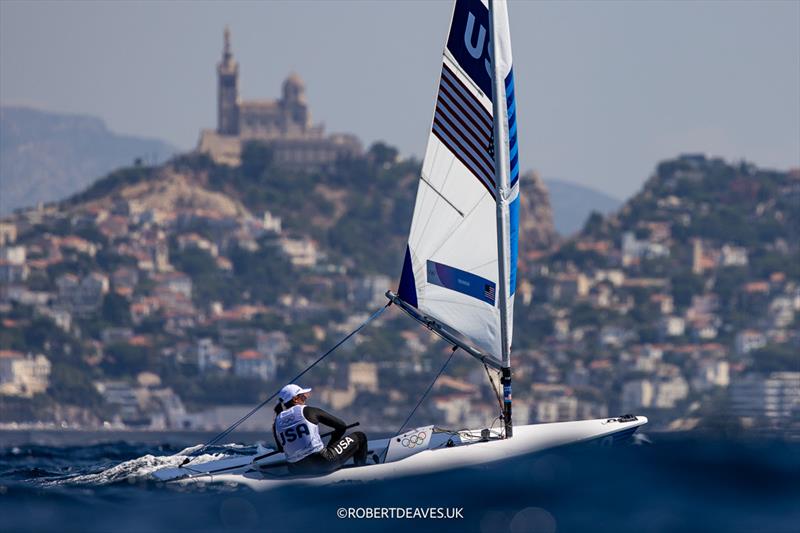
[(504, 109)]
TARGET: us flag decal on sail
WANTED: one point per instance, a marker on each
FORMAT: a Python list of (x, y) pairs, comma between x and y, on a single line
[(465, 127), (488, 292)]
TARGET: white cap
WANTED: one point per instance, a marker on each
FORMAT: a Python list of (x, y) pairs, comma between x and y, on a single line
[(290, 391)]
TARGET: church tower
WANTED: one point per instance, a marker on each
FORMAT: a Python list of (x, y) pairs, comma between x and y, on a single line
[(293, 103), (227, 91)]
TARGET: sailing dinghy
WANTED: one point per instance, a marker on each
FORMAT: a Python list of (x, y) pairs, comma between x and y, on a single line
[(459, 271)]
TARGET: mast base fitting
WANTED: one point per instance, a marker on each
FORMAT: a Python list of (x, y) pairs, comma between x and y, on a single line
[(505, 380)]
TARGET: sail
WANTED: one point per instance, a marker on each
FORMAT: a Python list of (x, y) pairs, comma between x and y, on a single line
[(450, 271)]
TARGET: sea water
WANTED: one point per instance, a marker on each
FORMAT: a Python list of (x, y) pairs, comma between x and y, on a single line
[(675, 483)]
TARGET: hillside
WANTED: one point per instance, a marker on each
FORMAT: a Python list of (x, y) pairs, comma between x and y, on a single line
[(680, 302), (343, 209), (46, 156), (153, 265), (197, 285)]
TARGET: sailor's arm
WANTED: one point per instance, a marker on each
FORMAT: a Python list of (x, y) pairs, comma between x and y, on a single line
[(319, 416)]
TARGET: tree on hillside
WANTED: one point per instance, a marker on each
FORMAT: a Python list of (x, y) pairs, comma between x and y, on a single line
[(382, 154), (116, 309)]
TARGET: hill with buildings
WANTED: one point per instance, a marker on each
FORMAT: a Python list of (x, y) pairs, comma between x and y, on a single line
[(165, 297), (195, 285), (684, 301), (46, 156)]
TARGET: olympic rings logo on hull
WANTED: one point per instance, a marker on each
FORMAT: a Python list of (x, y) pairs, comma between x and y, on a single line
[(412, 441)]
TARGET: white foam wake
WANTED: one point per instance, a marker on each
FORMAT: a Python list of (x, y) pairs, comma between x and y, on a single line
[(141, 467)]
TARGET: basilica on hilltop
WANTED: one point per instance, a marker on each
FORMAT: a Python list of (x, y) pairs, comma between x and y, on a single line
[(284, 124)]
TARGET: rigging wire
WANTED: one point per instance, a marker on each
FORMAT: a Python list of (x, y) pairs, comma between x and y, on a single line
[(253, 411), (452, 353), (494, 388)]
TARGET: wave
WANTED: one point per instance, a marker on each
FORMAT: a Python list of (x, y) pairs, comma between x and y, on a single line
[(67, 466)]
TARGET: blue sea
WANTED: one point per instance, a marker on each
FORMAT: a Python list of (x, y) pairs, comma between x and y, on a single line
[(673, 483)]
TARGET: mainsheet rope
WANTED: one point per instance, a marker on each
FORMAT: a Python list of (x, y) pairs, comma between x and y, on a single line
[(253, 411)]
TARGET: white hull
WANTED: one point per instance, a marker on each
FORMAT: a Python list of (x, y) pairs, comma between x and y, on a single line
[(526, 440)]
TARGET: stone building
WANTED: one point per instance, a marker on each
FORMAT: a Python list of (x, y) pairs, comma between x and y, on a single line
[(284, 124), (23, 375)]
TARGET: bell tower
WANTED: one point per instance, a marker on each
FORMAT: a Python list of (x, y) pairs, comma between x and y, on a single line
[(227, 91)]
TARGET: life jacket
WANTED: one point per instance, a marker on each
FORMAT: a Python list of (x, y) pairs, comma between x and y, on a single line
[(299, 437)]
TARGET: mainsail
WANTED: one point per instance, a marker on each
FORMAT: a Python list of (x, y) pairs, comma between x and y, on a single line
[(451, 268)]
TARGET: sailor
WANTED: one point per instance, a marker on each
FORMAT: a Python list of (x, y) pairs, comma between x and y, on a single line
[(296, 432)]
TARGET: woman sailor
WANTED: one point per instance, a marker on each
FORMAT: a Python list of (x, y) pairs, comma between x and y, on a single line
[(296, 432)]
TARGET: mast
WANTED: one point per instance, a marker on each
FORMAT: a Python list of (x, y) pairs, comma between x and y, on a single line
[(501, 171)]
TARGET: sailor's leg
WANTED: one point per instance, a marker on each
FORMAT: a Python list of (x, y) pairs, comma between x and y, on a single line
[(352, 445), (360, 456)]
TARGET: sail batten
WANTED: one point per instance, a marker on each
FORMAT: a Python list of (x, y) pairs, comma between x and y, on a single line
[(451, 271)]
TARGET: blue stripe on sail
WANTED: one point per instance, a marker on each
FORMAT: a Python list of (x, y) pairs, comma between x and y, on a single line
[(513, 211), (461, 281), (408, 288), (511, 104), (511, 108)]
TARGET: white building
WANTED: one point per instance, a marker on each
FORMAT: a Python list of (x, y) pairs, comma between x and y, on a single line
[(781, 312), (363, 376), (8, 233), (13, 254), (301, 252), (672, 326), (23, 375), (637, 394), (12, 272), (211, 357), (83, 296), (175, 282), (775, 396), (733, 256), (557, 409), (370, 291), (711, 373), (669, 391), (254, 364), (634, 249), (749, 340), (271, 223), (273, 343)]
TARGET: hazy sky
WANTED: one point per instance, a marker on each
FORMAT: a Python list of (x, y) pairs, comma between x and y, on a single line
[(604, 89)]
